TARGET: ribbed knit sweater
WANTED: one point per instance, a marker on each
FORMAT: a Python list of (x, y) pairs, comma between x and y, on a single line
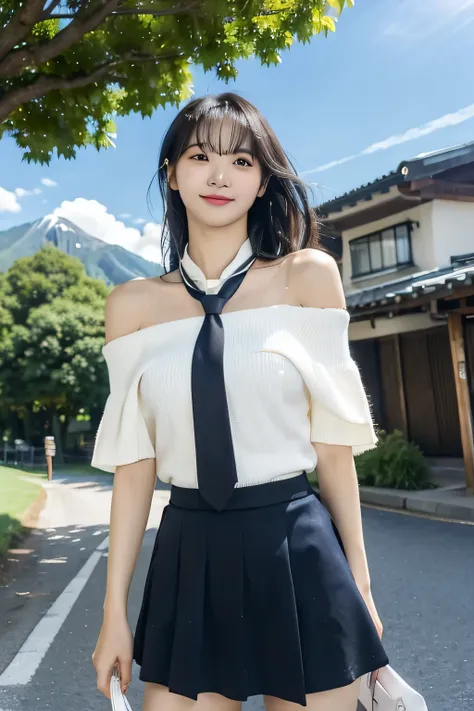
[(290, 381)]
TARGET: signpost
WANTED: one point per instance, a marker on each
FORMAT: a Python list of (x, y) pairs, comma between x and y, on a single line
[(50, 451)]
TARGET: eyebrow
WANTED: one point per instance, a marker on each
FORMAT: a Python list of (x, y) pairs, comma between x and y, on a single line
[(238, 150)]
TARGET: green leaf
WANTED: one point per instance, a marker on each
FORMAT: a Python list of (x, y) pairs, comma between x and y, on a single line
[(150, 59), (329, 23), (111, 126)]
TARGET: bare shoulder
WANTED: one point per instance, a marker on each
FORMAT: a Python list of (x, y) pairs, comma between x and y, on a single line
[(123, 308), (315, 279)]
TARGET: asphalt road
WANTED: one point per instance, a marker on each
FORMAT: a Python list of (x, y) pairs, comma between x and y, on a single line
[(422, 574)]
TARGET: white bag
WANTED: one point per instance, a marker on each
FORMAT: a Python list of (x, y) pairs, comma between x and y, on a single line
[(117, 697), (389, 692)]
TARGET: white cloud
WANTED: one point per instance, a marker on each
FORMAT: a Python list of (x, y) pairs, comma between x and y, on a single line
[(445, 121), (94, 218), (8, 201), (328, 166), (461, 25), (139, 221), (150, 246), (22, 192), (125, 215), (47, 182), (411, 134), (411, 21)]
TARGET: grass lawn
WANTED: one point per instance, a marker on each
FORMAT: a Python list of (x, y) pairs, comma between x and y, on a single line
[(16, 496), (59, 470)]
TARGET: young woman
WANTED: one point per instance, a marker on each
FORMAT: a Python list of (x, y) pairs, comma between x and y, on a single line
[(230, 379)]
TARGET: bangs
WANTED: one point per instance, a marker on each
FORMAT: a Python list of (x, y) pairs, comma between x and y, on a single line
[(206, 127)]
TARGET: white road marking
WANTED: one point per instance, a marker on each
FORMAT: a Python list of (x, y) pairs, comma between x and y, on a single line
[(27, 660), (104, 544)]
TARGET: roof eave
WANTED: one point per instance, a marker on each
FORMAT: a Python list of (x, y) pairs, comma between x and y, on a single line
[(362, 213)]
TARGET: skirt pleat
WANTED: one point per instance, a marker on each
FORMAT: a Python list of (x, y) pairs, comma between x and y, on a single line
[(272, 612), (253, 601), (224, 652), (186, 649), (339, 641)]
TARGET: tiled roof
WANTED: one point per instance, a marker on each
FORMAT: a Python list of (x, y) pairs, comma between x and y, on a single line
[(460, 273), (422, 166)]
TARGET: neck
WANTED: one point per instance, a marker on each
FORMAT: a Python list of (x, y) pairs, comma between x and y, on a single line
[(213, 248)]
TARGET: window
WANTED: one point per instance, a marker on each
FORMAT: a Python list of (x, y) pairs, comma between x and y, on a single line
[(402, 234), (386, 249), (360, 257)]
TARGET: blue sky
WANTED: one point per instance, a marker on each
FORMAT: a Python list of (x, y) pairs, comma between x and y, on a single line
[(392, 82)]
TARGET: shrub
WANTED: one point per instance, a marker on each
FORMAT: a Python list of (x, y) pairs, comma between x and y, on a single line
[(394, 462)]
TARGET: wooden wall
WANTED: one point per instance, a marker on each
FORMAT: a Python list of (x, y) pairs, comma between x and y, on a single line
[(409, 379)]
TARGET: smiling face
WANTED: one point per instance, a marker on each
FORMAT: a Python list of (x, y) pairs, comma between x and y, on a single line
[(221, 167)]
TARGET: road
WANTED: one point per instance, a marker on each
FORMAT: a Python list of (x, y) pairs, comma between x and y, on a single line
[(422, 574)]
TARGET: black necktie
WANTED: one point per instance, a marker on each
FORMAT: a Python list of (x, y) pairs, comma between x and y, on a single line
[(215, 461)]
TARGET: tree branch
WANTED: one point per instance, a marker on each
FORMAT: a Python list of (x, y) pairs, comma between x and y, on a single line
[(46, 83), (155, 13), (30, 11), (19, 27), (134, 11), (36, 56), (47, 15)]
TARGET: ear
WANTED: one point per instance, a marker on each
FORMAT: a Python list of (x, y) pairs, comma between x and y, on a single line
[(263, 187), (170, 175)]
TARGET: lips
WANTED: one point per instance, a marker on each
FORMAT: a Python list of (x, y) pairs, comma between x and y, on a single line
[(214, 200)]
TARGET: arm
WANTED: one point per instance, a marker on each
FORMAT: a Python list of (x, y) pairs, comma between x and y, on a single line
[(317, 282), (131, 501), (133, 483), (132, 494)]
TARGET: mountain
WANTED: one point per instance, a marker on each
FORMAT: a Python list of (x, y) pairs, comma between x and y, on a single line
[(109, 262)]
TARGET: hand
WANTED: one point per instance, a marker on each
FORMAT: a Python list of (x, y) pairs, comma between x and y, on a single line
[(114, 648), (369, 601)]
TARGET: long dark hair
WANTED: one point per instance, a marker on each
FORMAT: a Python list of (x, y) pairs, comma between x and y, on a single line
[(281, 221)]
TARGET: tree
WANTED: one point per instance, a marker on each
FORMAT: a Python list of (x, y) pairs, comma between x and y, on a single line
[(51, 361), (67, 67)]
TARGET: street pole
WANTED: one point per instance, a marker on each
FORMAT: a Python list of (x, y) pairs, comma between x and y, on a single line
[(50, 451)]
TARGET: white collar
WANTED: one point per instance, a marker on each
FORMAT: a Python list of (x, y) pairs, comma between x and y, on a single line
[(212, 285)]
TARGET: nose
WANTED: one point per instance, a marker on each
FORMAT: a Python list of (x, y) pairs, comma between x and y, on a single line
[(218, 176)]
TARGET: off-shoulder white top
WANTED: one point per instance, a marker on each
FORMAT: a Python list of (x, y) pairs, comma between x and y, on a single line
[(290, 381)]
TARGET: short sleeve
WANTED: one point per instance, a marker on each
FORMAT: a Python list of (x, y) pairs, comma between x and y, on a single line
[(123, 435), (340, 412), (318, 345)]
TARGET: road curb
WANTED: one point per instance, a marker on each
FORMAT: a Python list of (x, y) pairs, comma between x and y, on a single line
[(405, 500)]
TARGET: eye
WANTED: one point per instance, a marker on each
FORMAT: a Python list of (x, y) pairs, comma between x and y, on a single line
[(202, 155), (245, 161)]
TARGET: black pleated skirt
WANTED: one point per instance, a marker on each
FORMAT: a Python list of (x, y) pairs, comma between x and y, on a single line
[(256, 599)]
